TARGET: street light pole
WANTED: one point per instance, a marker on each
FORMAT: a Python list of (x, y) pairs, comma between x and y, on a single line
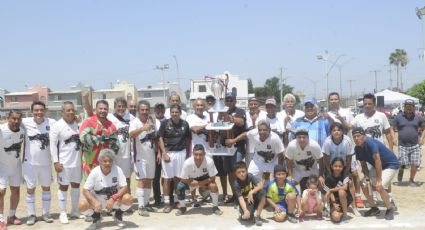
[(162, 68), (376, 79), (178, 74), (325, 58), (420, 13)]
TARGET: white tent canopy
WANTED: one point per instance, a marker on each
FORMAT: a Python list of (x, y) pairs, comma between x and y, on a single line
[(392, 97)]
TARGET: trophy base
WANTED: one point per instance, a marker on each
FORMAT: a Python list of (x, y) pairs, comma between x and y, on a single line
[(219, 126), (222, 151)]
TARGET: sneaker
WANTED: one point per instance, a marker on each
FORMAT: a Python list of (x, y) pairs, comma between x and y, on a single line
[(77, 215), (400, 175), (129, 212), (258, 221), (181, 211), (412, 184), (291, 218), (143, 212), (13, 220), (88, 218), (230, 200), (394, 206), (118, 218), (47, 218), (150, 208), (319, 216), (167, 208), (217, 211), (359, 202), (31, 220), (389, 214), (3, 225), (356, 212), (196, 204), (63, 218), (96, 222), (157, 203), (374, 211)]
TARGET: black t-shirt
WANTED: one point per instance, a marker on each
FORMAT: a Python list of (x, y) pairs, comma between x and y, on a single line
[(333, 182), (407, 128), (242, 188), (175, 135), (237, 130)]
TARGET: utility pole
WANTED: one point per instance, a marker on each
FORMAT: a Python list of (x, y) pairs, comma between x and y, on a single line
[(178, 75), (281, 84), (376, 79), (162, 68), (351, 89)]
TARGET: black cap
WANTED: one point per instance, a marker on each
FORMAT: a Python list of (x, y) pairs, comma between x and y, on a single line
[(409, 102), (358, 130), (210, 97), (230, 95), (159, 106)]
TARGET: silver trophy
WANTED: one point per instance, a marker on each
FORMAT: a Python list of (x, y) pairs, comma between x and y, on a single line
[(217, 90)]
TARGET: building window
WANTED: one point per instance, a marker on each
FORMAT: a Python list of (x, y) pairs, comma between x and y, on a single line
[(147, 95), (129, 97), (14, 99), (58, 97), (202, 88), (104, 96)]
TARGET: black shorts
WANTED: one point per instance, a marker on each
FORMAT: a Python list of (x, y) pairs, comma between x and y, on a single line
[(253, 206)]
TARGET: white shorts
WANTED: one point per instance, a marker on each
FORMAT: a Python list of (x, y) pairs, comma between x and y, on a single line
[(387, 176), (257, 168), (144, 168), (353, 163), (35, 174), (174, 166), (10, 176), (69, 175), (102, 199), (125, 165)]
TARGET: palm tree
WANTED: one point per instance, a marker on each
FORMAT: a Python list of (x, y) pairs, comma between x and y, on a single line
[(399, 59)]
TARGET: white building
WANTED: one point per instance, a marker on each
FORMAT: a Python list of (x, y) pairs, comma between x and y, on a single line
[(201, 89), (160, 93)]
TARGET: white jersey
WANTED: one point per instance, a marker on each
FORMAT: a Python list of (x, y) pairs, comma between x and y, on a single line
[(305, 160), (342, 150), (249, 124), (265, 151), (374, 126), (10, 146), (275, 125), (37, 141), (122, 126), (145, 142), (158, 123), (191, 171), (195, 120), (167, 114), (281, 116), (106, 185), (65, 145), (346, 114)]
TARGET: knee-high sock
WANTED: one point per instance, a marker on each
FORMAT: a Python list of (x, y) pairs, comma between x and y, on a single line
[(75, 198), (214, 199), (46, 197), (30, 199), (147, 193), (141, 197), (62, 198)]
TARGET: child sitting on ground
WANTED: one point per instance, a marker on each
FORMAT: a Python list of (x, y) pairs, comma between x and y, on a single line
[(283, 196), (250, 194), (337, 192), (311, 201)]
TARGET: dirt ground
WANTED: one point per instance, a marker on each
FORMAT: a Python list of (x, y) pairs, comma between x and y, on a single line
[(410, 202)]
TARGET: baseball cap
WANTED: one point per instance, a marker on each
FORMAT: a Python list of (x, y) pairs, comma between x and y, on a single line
[(358, 130), (311, 101), (230, 95), (409, 102), (271, 101), (252, 99), (279, 168), (301, 131), (159, 106), (209, 97)]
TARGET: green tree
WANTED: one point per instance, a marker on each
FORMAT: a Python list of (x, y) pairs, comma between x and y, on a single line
[(272, 88), (250, 86), (418, 91), (399, 58)]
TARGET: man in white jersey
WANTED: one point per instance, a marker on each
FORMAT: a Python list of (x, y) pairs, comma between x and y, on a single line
[(174, 100), (36, 166), (11, 138), (121, 119), (272, 118), (105, 189), (288, 114), (268, 149), (198, 172), (253, 116), (197, 123), (304, 158), (143, 132), (65, 148)]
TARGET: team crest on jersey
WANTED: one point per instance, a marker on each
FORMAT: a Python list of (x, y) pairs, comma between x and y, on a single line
[(376, 121), (114, 179), (22, 136), (48, 128), (309, 153), (269, 146), (204, 170)]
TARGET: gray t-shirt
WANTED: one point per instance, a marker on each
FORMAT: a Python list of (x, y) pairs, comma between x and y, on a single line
[(408, 129)]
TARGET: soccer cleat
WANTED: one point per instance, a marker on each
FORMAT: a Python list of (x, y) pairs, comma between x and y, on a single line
[(143, 212), (291, 218), (389, 214), (77, 215), (31, 220), (412, 184), (13, 220), (118, 218), (258, 221), (394, 206), (167, 208), (63, 218), (150, 208), (217, 211), (47, 218), (374, 211)]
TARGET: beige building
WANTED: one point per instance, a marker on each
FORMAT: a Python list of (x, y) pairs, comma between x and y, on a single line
[(120, 89)]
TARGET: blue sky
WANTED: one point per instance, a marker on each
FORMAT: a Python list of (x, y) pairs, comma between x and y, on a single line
[(59, 43)]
